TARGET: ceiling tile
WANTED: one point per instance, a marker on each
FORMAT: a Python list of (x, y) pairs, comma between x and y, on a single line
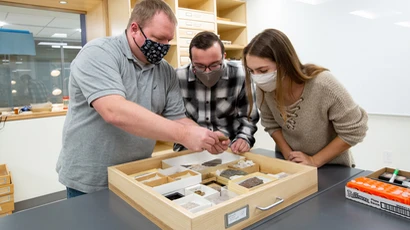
[(25, 19), (2, 16), (76, 35), (47, 32), (65, 23)]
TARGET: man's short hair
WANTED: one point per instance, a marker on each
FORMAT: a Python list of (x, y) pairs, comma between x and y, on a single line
[(145, 10), (205, 40), (25, 77)]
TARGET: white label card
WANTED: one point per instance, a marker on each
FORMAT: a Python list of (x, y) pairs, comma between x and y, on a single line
[(236, 216)]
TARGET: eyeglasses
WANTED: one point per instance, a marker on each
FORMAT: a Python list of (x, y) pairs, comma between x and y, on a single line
[(212, 67)]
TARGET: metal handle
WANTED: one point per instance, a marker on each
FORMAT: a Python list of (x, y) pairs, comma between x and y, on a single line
[(279, 200)]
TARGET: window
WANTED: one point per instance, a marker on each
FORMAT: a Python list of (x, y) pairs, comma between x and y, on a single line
[(37, 47)]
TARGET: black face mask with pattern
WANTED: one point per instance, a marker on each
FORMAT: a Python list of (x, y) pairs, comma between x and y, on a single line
[(153, 51)]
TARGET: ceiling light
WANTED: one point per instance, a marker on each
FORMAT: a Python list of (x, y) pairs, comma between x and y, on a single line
[(21, 70), (2, 23), (364, 14), (13, 82), (19, 62), (14, 91), (59, 35), (55, 73), (63, 2), (69, 47), (78, 30), (404, 24), (56, 92), (313, 2), (52, 44)]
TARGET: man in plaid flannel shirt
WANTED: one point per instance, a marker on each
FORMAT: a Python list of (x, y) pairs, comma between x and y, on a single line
[(214, 93), (36, 90)]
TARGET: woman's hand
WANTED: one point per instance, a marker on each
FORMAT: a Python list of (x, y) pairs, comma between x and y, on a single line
[(300, 157)]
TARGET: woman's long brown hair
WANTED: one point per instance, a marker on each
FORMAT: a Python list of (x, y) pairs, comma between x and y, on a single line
[(276, 46)]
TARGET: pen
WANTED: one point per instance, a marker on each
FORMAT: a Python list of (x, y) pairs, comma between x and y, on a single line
[(394, 176)]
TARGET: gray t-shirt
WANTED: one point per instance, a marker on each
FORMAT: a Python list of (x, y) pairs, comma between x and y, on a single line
[(104, 67)]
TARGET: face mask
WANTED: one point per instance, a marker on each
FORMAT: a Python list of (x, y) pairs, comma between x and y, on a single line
[(209, 79), (266, 81), (153, 51)]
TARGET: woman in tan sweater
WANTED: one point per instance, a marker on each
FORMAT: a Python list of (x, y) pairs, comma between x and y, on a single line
[(308, 113)]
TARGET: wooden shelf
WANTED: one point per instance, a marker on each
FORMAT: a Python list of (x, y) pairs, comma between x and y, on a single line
[(226, 4), (234, 47), (225, 25), (35, 115), (202, 5)]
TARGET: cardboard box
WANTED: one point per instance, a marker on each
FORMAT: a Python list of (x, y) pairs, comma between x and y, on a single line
[(379, 202), (235, 213)]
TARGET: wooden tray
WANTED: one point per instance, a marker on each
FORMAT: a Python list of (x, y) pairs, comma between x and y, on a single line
[(236, 213)]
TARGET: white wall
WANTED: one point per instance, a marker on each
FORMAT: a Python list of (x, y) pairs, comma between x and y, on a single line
[(369, 48), (30, 148), (386, 133)]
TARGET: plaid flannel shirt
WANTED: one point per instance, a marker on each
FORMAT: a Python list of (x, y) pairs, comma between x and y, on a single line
[(224, 107)]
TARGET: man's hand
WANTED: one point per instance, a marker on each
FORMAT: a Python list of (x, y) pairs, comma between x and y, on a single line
[(240, 146), (221, 145), (300, 157), (197, 139)]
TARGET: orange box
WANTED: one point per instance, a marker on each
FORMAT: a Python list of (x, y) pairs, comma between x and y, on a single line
[(382, 195)]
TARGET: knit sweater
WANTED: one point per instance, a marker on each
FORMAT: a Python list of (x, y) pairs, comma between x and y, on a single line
[(324, 111)]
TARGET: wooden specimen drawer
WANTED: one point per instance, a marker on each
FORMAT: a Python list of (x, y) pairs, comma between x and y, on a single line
[(4, 175), (5, 214), (234, 213), (6, 189), (184, 51), (185, 60), (188, 33), (6, 198), (209, 26), (184, 42), (195, 15), (7, 207)]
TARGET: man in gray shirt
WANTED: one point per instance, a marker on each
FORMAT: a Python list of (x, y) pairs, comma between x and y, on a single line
[(123, 97)]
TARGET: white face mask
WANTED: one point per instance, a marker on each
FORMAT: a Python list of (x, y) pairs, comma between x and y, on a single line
[(266, 81)]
